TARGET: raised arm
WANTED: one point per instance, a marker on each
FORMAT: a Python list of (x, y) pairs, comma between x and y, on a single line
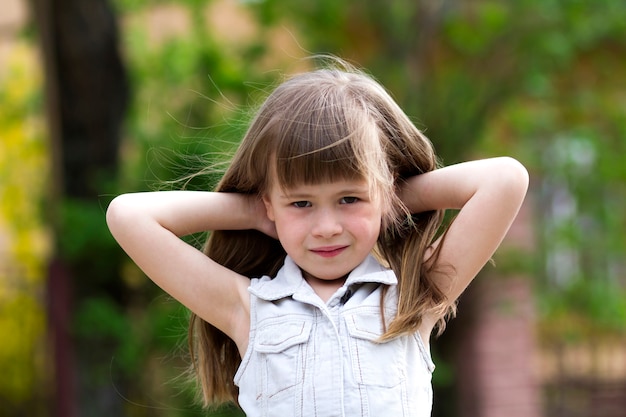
[(148, 226), (488, 193)]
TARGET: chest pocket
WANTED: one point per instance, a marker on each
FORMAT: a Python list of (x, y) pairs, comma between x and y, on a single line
[(281, 346), (374, 363)]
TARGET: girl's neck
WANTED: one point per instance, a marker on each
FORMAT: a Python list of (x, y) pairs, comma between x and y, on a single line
[(324, 288)]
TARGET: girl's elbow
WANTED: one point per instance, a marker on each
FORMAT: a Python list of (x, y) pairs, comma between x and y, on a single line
[(118, 213), (514, 175)]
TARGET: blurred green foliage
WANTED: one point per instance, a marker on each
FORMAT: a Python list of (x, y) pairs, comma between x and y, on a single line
[(540, 80)]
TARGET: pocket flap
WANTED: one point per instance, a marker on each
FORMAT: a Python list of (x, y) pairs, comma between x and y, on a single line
[(278, 336), (365, 326)]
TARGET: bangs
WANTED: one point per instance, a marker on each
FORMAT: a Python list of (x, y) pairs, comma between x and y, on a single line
[(320, 155), (328, 142)]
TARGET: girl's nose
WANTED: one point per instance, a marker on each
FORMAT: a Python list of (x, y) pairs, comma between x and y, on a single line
[(327, 224)]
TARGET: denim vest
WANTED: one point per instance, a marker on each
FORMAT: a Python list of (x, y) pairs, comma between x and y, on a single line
[(310, 358)]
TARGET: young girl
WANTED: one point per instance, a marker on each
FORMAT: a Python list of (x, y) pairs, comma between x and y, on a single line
[(324, 275)]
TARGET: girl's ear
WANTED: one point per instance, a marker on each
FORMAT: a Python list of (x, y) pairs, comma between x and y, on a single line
[(268, 207)]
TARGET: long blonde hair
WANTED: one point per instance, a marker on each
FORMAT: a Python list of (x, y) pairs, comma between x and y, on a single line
[(315, 127)]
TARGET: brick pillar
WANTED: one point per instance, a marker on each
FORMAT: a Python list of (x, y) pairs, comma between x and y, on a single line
[(497, 352)]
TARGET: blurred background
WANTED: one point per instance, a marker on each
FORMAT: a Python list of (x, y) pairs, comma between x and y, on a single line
[(99, 97)]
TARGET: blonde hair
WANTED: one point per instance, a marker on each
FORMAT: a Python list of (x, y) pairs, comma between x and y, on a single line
[(317, 127)]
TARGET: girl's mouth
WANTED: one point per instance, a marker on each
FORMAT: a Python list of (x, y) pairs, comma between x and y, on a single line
[(329, 251)]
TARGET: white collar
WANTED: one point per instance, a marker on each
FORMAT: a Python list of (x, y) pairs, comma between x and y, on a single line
[(289, 281)]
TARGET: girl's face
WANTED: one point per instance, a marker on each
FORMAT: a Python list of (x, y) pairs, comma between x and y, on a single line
[(327, 229)]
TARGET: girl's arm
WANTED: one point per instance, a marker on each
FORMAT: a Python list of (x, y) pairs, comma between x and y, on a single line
[(488, 193), (148, 227)]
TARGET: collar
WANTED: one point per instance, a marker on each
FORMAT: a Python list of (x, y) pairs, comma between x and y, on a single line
[(289, 281)]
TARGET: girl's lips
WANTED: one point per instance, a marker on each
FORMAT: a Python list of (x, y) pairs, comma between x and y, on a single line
[(329, 251)]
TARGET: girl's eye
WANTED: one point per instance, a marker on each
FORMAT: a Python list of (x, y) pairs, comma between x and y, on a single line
[(302, 204), (349, 200)]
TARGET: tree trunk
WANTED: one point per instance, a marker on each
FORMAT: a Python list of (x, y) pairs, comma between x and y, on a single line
[(86, 98)]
